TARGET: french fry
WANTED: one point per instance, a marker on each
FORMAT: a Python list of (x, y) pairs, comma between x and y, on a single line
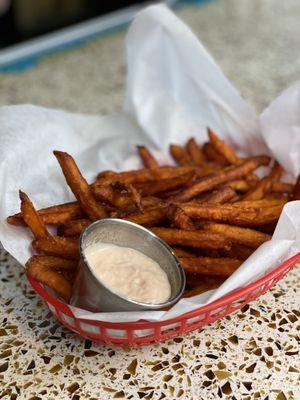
[(280, 187), (195, 152), (50, 278), (241, 216), (196, 239), (148, 217), (212, 282), (245, 236), (147, 158), (213, 180), (212, 155), (163, 185), (268, 215), (237, 251), (56, 263), (240, 185), (179, 218), (31, 217), (266, 202), (222, 195), (224, 149), (79, 186), (57, 246), (183, 252), (73, 228), (180, 155), (118, 195), (142, 175), (210, 266), (259, 191), (296, 191)]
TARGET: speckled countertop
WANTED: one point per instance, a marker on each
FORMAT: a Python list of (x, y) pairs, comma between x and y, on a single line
[(251, 354)]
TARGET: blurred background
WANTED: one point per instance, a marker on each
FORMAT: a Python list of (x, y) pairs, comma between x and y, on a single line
[(25, 19)]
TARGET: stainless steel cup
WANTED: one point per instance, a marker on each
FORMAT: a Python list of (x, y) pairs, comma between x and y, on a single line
[(91, 294)]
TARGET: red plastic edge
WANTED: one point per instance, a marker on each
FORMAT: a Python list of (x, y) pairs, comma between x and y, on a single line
[(225, 300)]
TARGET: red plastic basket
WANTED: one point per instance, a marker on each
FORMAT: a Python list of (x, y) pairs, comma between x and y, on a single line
[(132, 334)]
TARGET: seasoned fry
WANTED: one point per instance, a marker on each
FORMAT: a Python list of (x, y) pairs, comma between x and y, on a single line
[(148, 217), (183, 252), (210, 266), (142, 175), (57, 246), (222, 195), (240, 185), (224, 149), (245, 236), (213, 180), (266, 202), (31, 217), (280, 187), (296, 191), (226, 212), (50, 278), (56, 263), (163, 185), (268, 215), (259, 191), (195, 152), (79, 186), (237, 251), (179, 218), (147, 158), (180, 155), (73, 228), (197, 239), (211, 154)]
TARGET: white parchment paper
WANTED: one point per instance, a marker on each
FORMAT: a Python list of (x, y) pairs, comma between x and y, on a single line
[(174, 91)]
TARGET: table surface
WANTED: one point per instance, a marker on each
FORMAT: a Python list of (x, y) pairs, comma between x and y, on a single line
[(251, 354)]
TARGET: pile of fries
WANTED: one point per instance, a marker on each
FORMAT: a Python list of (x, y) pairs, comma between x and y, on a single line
[(211, 208)]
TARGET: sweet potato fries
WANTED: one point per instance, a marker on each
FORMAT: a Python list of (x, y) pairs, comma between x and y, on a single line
[(211, 208)]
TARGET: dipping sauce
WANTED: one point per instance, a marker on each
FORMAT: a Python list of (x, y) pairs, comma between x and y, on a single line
[(129, 273)]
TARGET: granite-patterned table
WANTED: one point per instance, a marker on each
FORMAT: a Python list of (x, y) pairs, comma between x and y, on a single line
[(251, 354)]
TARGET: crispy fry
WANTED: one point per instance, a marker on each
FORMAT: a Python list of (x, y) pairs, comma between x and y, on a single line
[(118, 195), (226, 212), (31, 217), (213, 180), (237, 251), (224, 149), (262, 159), (183, 252), (222, 195), (142, 175), (193, 281), (210, 266), (147, 158), (240, 185), (280, 187), (296, 192), (268, 215), (211, 154), (73, 228), (195, 152), (266, 202), (259, 191), (180, 155), (148, 217), (56, 263), (79, 186), (245, 236), (57, 246), (179, 218), (276, 172), (50, 278), (163, 185), (197, 239)]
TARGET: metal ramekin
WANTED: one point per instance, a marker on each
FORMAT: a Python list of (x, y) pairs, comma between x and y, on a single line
[(91, 294)]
